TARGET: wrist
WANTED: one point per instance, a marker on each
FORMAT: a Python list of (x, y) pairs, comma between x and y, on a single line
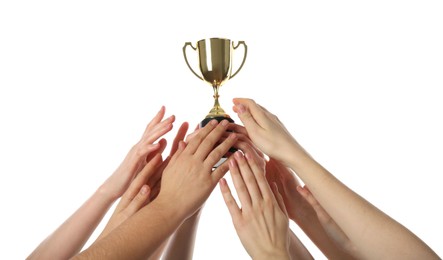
[(273, 254), (297, 157), (105, 193), (169, 210)]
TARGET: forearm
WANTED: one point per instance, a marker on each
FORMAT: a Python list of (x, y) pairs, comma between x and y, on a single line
[(366, 226), (71, 236), (159, 251), (181, 245), (296, 248), (139, 236), (312, 227)]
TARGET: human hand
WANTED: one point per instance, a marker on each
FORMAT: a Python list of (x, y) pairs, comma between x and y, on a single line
[(136, 196), (329, 225), (261, 223), (145, 186), (265, 130), (138, 156), (287, 184), (188, 179)]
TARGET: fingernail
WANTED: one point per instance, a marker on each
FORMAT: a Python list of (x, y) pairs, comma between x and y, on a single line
[(238, 155), (224, 122), (214, 122), (232, 136), (144, 190)]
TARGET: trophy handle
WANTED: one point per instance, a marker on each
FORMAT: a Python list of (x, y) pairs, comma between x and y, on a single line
[(244, 57), (186, 59)]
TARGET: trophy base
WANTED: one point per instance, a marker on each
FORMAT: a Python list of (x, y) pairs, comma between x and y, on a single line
[(219, 119)]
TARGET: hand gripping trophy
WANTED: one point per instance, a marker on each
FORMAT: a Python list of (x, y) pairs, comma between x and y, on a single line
[(215, 64)]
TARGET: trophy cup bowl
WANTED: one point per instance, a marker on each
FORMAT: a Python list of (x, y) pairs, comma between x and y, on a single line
[(215, 67)]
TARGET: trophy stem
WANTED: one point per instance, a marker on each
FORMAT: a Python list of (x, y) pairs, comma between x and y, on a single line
[(216, 109)]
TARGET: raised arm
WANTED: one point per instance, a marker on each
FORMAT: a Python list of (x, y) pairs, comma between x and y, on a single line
[(186, 183), (71, 236), (181, 244), (374, 234), (310, 217)]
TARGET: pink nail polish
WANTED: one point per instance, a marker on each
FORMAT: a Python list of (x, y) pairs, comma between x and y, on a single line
[(144, 190)]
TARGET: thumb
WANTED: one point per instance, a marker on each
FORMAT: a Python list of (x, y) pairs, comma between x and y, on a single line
[(245, 115)]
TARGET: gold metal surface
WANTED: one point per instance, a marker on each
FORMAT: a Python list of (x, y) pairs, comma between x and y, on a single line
[(215, 66)]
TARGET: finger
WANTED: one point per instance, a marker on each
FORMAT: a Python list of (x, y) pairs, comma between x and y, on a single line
[(307, 195), (252, 147), (159, 130), (158, 173), (257, 166), (157, 118), (181, 148), (230, 202), (242, 142), (195, 142), (191, 135), (140, 180), (216, 154), (155, 191), (273, 174), (238, 129), (161, 146), (149, 170), (239, 184), (208, 144), (181, 133), (270, 172), (146, 149), (252, 153), (279, 198), (248, 177), (251, 115), (138, 201)]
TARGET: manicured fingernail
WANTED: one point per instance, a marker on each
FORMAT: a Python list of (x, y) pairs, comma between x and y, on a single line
[(224, 122), (238, 155), (214, 122), (144, 190)]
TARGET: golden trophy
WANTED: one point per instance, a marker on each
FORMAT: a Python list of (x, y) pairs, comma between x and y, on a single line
[(215, 65)]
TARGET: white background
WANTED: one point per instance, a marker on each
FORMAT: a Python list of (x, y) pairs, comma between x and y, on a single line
[(358, 83)]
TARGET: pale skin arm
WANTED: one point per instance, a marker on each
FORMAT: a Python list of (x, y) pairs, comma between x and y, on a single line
[(186, 183), (71, 236), (374, 234), (308, 216), (181, 244), (296, 248), (331, 228)]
